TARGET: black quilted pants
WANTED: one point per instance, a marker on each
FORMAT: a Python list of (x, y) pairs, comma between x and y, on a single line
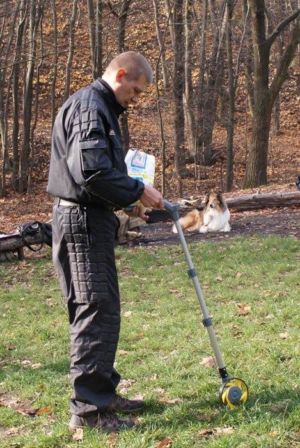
[(83, 255)]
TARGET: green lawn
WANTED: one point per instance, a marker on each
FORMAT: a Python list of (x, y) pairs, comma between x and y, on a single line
[(252, 290)]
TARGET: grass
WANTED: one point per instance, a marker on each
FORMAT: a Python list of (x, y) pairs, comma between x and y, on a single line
[(251, 288)]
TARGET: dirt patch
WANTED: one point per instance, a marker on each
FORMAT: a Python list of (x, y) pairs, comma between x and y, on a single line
[(283, 221)]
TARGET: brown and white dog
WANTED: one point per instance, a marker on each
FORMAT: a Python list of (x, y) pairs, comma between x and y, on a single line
[(213, 218)]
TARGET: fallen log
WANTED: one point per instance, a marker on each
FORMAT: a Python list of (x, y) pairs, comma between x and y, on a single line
[(241, 203), (264, 200)]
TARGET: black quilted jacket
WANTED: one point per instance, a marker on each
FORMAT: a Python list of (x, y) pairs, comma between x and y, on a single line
[(87, 159)]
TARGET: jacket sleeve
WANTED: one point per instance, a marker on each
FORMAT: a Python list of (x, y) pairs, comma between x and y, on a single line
[(102, 169)]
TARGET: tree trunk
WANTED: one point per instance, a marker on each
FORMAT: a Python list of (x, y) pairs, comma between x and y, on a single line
[(264, 95), (257, 163), (121, 47), (231, 91), (91, 25), (161, 45), (34, 18), (7, 30), (99, 34), (188, 91), (214, 76), (15, 91), (55, 61), (71, 50), (161, 127), (178, 89)]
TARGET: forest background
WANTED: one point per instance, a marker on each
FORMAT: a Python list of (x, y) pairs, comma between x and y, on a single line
[(223, 111)]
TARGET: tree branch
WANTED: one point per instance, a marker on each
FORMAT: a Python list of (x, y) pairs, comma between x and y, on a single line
[(285, 61), (282, 26)]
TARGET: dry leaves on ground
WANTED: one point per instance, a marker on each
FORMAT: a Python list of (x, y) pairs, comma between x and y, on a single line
[(208, 361), (165, 443), (23, 407), (78, 435), (243, 310), (211, 432)]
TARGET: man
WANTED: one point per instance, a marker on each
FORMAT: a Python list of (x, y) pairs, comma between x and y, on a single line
[(89, 180)]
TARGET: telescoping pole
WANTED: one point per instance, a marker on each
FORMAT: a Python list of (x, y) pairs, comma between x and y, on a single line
[(207, 320)]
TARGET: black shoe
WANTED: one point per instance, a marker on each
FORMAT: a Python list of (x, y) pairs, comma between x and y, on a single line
[(121, 404), (107, 422)]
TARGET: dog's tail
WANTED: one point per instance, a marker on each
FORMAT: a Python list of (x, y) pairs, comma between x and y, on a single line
[(191, 221)]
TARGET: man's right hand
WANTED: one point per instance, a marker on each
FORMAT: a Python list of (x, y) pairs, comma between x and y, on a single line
[(152, 197)]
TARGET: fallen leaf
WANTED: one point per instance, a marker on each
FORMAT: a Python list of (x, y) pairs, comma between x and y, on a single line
[(26, 363), (165, 443), (112, 440), (225, 430), (170, 400), (243, 310), (138, 397), (208, 361), (44, 411), (36, 366), (14, 431), (205, 432), (209, 432), (284, 335), (127, 313), (16, 405), (78, 434), (125, 385), (122, 352)]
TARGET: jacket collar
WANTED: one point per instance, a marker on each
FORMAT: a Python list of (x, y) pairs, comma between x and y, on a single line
[(109, 96)]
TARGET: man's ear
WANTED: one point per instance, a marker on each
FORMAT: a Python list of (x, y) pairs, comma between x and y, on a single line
[(120, 74)]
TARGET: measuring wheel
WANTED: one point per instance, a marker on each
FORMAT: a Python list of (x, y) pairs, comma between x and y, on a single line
[(234, 392)]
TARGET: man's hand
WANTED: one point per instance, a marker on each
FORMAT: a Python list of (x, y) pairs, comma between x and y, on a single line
[(139, 211), (152, 197)]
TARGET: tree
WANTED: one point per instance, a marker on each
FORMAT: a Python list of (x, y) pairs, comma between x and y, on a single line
[(264, 91), (95, 32), (178, 89), (7, 29), (35, 14), (71, 49)]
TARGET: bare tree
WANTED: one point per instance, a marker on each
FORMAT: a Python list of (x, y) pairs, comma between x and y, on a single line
[(188, 101), (15, 88), (8, 28), (35, 13), (231, 91), (161, 44), (178, 89), (264, 91), (95, 33), (71, 49), (121, 14), (233, 75), (55, 61), (214, 76)]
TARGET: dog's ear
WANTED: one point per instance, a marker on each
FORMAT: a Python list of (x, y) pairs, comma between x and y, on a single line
[(220, 198), (206, 199)]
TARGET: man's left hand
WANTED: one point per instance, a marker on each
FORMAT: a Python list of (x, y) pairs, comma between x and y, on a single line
[(139, 211)]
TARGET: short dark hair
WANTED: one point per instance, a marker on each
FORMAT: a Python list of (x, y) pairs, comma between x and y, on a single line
[(134, 63)]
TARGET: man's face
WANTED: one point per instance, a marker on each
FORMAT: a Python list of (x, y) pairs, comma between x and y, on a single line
[(127, 91)]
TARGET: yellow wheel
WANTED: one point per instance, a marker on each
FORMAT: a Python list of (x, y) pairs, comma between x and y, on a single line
[(234, 392)]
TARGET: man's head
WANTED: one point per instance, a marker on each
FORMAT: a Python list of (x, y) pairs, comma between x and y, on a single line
[(128, 74)]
